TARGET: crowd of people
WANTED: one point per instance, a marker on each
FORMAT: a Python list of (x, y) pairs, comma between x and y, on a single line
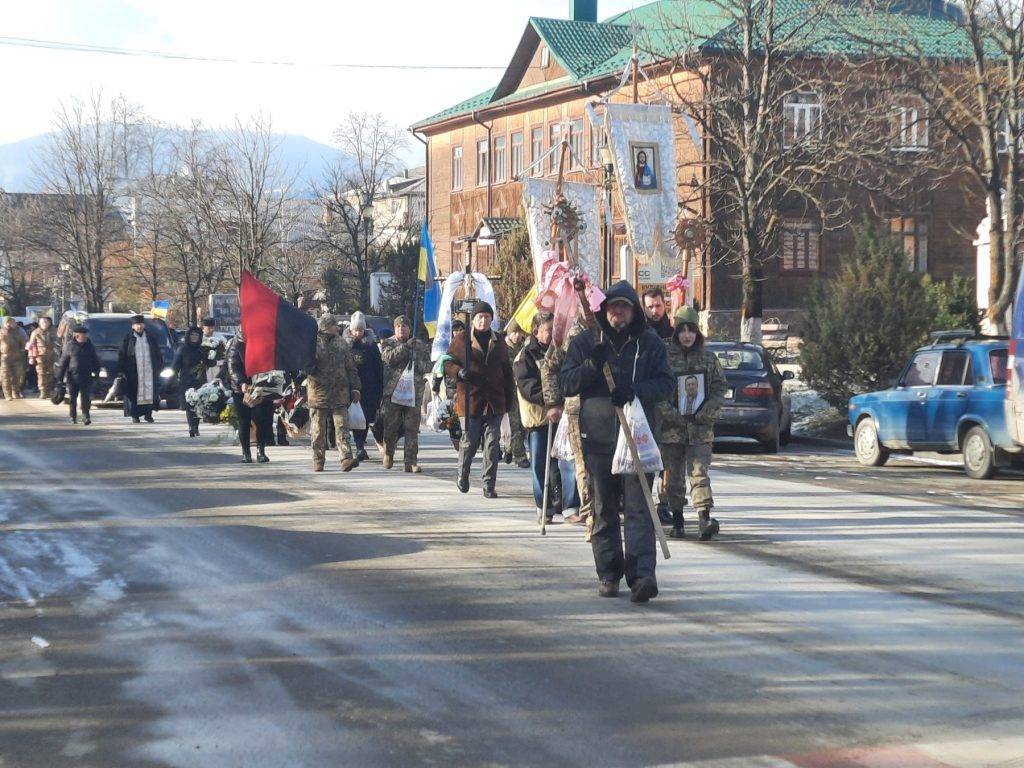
[(634, 354)]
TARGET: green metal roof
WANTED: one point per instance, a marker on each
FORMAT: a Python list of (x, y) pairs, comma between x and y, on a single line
[(588, 50)]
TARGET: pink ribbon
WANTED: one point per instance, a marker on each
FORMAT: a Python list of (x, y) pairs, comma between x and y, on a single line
[(677, 288), (557, 293)]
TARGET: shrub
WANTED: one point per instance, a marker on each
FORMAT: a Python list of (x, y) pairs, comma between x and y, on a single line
[(863, 323), (954, 304), (514, 263)]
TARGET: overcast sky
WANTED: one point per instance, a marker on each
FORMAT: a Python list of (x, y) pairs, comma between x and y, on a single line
[(308, 98)]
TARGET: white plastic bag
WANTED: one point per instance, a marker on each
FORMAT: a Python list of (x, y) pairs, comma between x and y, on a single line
[(405, 389), (561, 448), (506, 433), (356, 417), (646, 447), (433, 420)]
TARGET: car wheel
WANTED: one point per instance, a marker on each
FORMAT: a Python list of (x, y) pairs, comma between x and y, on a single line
[(870, 452), (979, 455)]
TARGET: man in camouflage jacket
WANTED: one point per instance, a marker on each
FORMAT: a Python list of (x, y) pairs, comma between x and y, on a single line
[(397, 353), (332, 384), (43, 350), (686, 439), (553, 394)]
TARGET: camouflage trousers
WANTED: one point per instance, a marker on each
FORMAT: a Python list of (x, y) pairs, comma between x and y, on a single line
[(318, 419), (515, 422), (12, 378), (44, 379), (406, 419), (682, 463)]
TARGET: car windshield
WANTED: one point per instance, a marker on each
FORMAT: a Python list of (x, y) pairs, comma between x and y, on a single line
[(740, 359), (109, 332), (998, 362)]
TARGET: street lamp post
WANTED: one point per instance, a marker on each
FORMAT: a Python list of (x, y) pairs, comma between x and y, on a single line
[(608, 164), (366, 214)]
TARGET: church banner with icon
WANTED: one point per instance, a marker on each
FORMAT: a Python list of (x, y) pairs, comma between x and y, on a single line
[(642, 139), (585, 200)]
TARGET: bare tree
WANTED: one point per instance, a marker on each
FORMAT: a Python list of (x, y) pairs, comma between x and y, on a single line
[(769, 119), (88, 156), (967, 71), (352, 234), (26, 274), (296, 264), (252, 188)]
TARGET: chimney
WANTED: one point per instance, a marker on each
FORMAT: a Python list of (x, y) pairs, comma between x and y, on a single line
[(584, 10)]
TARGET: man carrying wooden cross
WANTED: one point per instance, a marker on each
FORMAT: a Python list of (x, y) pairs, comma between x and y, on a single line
[(640, 369)]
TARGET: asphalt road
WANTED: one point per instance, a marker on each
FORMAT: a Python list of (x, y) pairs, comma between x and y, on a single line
[(164, 605)]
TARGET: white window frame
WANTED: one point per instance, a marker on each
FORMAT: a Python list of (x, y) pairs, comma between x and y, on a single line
[(516, 153), (911, 127), (537, 139), (545, 57), (577, 143), (554, 139), (499, 155), (483, 162), (457, 168), (801, 112)]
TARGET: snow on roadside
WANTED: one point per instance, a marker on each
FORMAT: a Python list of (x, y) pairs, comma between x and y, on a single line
[(811, 414)]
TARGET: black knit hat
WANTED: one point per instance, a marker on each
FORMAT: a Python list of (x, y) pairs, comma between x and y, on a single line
[(79, 329), (138, 319), (482, 308)]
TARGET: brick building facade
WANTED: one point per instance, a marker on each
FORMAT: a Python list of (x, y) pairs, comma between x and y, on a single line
[(477, 148)]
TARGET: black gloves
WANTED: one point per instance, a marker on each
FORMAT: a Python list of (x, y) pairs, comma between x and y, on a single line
[(468, 376), (622, 394), (600, 354)]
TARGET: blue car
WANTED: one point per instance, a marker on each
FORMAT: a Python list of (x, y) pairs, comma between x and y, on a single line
[(949, 399)]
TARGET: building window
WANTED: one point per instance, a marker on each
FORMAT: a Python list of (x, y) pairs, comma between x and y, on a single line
[(545, 57), (576, 145), (482, 162), (801, 244), (555, 139), (500, 169), (911, 126), (536, 148), (456, 167), (913, 233), (801, 119), (596, 138), (517, 154)]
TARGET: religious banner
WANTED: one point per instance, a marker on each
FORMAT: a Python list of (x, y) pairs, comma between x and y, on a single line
[(482, 289), (642, 140), (586, 199)]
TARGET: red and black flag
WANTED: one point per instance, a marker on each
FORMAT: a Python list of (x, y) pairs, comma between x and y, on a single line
[(278, 335)]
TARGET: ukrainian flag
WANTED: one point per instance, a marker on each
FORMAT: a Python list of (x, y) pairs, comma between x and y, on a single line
[(428, 276), (160, 309)]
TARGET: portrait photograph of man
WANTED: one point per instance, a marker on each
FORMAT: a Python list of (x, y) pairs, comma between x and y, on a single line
[(645, 167), (691, 393)]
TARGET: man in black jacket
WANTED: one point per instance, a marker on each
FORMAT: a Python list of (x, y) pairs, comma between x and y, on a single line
[(640, 369), (79, 364)]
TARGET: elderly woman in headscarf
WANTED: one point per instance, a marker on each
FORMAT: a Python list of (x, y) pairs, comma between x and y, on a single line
[(363, 343), (139, 362), (190, 364)]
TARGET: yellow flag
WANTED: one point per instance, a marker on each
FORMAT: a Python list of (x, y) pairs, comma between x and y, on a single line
[(523, 315)]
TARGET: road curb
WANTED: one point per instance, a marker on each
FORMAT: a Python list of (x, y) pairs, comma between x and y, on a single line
[(824, 442)]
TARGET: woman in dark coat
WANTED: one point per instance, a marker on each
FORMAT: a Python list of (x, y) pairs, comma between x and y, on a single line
[(190, 364), (140, 402), (79, 365), (262, 414), (371, 374)]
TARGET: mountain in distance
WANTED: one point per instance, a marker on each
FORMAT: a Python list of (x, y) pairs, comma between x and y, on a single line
[(304, 157)]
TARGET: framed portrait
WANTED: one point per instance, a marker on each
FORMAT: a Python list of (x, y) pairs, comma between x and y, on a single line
[(691, 390), (645, 167)]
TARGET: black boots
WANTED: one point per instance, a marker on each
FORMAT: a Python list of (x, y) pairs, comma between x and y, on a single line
[(608, 589), (677, 531), (644, 589), (246, 455), (261, 455), (708, 525)]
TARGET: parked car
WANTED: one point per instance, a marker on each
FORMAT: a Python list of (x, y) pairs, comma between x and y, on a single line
[(755, 404), (949, 399), (106, 330)]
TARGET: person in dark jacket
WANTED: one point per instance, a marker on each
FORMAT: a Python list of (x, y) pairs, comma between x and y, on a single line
[(657, 312), (539, 414), (363, 343), (139, 362), (79, 365), (191, 362), (486, 382), (640, 369), (261, 414)]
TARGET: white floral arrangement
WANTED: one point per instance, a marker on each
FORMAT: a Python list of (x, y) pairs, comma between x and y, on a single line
[(210, 343), (208, 401)]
